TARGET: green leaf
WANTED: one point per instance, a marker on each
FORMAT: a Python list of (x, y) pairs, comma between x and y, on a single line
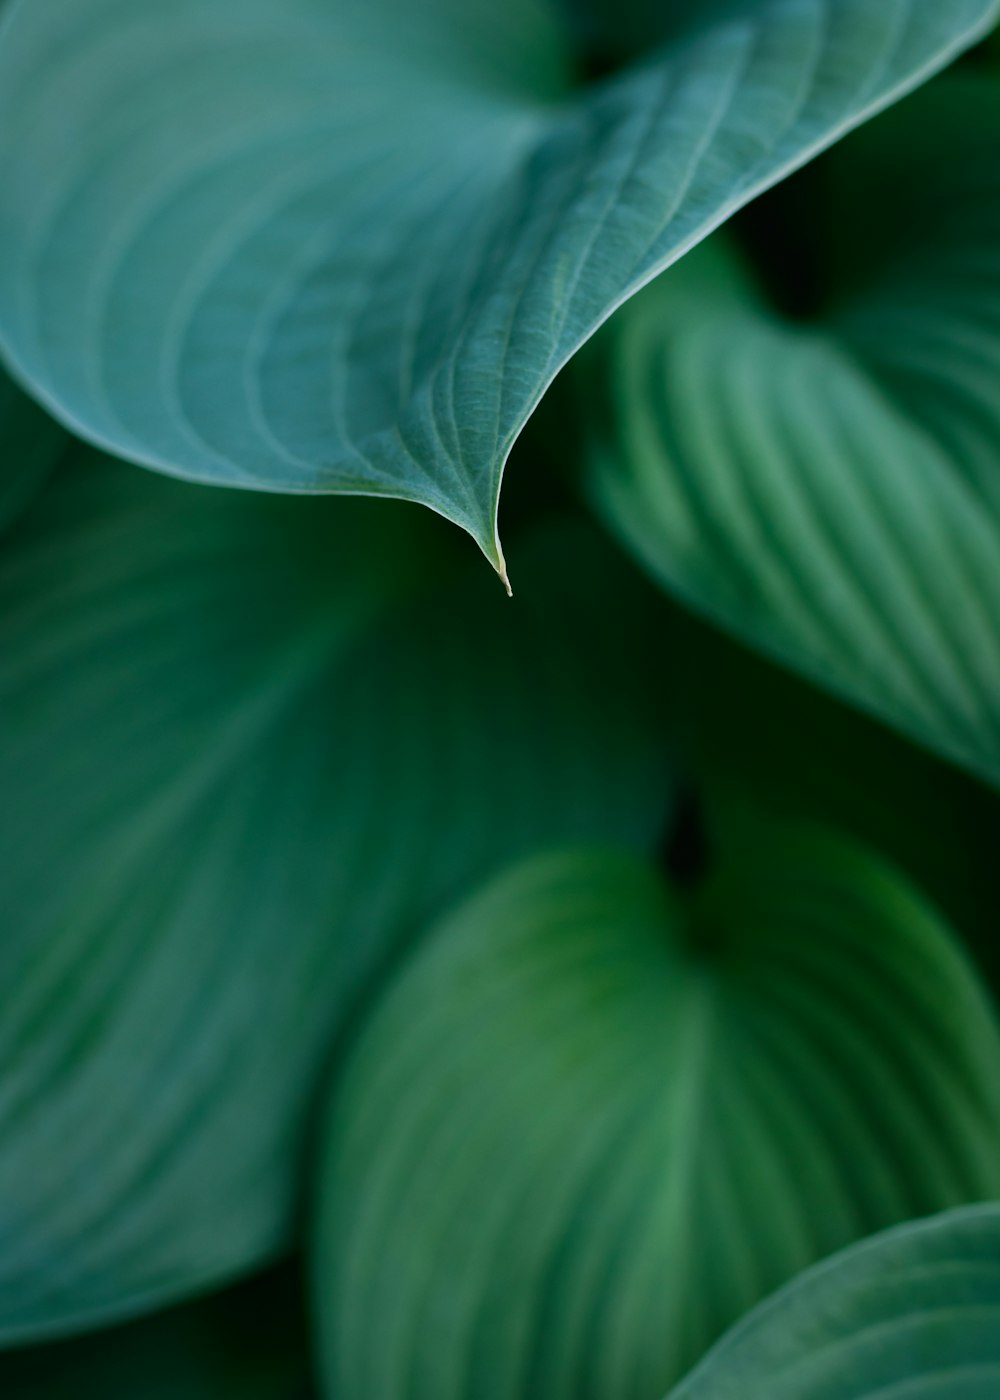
[(913, 1313), (346, 247), (30, 445), (596, 1119), (829, 489), (248, 1343), (242, 760)]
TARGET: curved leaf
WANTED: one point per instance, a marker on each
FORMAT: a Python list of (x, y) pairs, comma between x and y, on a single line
[(914, 1312), (242, 757), (593, 1121), (830, 491), (345, 247)]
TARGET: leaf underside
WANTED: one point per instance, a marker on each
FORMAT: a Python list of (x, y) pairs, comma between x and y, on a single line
[(318, 247)]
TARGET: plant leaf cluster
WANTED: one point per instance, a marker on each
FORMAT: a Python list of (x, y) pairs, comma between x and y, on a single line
[(414, 994)]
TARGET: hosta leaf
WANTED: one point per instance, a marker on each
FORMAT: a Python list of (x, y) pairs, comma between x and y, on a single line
[(346, 246), (593, 1121), (241, 758), (30, 444), (829, 490), (913, 1313), (248, 1343)]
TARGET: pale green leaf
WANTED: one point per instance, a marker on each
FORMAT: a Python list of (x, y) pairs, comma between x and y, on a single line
[(345, 246), (241, 758), (829, 489), (913, 1314), (594, 1120)]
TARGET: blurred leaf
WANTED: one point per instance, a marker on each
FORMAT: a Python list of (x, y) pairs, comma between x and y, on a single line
[(30, 445), (346, 247), (913, 1313), (242, 759), (596, 1119), (249, 1343), (829, 491), (753, 735)]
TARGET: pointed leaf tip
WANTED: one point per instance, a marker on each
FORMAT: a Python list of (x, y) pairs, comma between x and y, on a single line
[(264, 237)]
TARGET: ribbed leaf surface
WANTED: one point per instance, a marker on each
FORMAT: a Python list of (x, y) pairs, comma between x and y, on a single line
[(593, 1122), (242, 756), (346, 246), (830, 490), (913, 1314)]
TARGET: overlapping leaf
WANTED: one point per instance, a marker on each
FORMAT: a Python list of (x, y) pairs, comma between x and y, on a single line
[(914, 1313), (346, 246), (241, 758), (830, 490), (593, 1121)]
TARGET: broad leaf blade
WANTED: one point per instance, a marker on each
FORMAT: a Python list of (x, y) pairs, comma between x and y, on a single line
[(914, 1312), (593, 1122), (830, 491), (243, 760), (346, 247)]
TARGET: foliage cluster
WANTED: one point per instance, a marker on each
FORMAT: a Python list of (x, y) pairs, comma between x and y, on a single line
[(414, 994)]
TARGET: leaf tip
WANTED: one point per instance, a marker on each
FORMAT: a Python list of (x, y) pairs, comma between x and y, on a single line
[(500, 564)]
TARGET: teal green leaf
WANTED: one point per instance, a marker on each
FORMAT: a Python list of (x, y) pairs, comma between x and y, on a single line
[(913, 1313), (248, 1343), (30, 445), (596, 1119), (314, 246), (243, 759), (828, 489)]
